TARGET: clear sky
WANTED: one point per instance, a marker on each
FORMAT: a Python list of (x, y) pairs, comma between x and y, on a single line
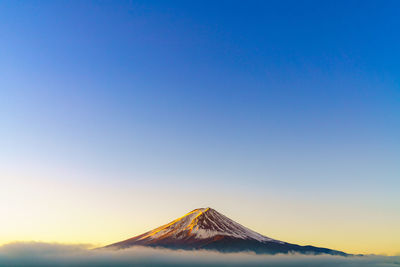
[(118, 116)]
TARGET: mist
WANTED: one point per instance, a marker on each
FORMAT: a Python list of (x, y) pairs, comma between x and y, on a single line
[(46, 254)]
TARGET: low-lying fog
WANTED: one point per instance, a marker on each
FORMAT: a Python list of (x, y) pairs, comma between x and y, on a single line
[(44, 254)]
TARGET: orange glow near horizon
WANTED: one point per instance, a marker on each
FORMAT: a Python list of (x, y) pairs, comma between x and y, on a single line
[(44, 210)]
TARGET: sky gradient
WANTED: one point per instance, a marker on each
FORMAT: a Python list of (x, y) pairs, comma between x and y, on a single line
[(117, 117)]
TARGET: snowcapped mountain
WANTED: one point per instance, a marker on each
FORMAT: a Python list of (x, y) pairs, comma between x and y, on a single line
[(205, 228)]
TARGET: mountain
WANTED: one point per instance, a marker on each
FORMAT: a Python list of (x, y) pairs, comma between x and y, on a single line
[(206, 228)]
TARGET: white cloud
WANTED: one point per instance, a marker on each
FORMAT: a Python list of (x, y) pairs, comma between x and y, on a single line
[(43, 254)]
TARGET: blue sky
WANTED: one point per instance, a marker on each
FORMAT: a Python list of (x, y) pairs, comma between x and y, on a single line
[(297, 100)]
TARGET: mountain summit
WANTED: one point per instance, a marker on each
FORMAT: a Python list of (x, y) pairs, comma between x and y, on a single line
[(205, 228)]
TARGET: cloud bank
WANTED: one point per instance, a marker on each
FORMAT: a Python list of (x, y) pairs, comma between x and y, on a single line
[(44, 254)]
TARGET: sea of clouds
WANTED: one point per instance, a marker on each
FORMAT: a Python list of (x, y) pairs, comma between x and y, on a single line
[(45, 254)]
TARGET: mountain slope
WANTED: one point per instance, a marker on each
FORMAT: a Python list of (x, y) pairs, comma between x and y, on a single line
[(206, 228)]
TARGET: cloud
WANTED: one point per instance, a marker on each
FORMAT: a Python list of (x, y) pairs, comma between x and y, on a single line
[(44, 254)]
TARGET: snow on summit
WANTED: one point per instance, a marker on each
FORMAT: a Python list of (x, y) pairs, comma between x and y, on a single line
[(202, 223), (207, 223)]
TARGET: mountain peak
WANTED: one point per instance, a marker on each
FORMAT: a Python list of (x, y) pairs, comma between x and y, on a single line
[(199, 224), (201, 210), (208, 229)]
